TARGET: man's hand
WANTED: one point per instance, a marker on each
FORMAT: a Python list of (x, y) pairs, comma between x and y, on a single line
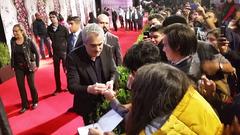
[(201, 10), (207, 87), (109, 85), (94, 131), (109, 94), (130, 81), (97, 88), (223, 44)]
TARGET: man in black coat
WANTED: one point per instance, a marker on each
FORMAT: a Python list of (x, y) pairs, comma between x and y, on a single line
[(58, 35), (40, 32), (90, 71)]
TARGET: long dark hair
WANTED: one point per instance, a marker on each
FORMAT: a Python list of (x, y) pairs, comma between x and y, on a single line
[(157, 89)]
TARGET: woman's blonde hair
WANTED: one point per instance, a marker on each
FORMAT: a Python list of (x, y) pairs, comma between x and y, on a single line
[(21, 27)]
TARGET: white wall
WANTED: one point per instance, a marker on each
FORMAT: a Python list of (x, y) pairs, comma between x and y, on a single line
[(115, 4), (9, 17)]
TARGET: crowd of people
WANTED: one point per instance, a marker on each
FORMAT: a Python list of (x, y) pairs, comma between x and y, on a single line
[(203, 46), (130, 18), (183, 76)]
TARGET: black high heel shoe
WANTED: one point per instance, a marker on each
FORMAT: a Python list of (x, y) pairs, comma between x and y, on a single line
[(23, 110)]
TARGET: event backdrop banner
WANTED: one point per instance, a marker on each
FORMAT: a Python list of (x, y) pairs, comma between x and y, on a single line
[(23, 11)]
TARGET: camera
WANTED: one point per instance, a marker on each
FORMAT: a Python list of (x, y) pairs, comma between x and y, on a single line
[(194, 6), (223, 30)]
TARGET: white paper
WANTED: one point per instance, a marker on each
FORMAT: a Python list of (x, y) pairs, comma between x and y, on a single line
[(84, 130), (107, 122)]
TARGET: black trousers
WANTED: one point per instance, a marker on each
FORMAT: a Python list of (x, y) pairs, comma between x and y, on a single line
[(20, 77), (135, 25), (115, 25), (129, 25), (121, 21), (56, 64)]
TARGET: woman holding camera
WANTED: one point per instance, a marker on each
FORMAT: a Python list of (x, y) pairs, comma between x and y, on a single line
[(24, 61)]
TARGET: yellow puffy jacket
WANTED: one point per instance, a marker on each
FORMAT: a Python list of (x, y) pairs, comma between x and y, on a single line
[(192, 116)]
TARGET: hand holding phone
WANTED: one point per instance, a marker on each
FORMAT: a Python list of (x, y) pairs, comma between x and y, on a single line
[(194, 6), (223, 31), (146, 33), (223, 44)]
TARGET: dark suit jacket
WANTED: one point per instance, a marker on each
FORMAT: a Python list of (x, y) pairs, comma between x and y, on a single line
[(80, 74), (59, 40), (113, 41), (78, 43)]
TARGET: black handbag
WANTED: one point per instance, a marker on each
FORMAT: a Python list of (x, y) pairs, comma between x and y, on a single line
[(30, 57)]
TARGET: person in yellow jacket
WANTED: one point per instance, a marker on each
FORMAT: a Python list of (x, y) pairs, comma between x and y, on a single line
[(168, 104), (165, 102)]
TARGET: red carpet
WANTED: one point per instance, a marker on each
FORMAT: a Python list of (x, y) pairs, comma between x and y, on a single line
[(51, 116)]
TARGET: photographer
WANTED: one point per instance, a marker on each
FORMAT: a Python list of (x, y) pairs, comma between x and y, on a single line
[(231, 48), (205, 21)]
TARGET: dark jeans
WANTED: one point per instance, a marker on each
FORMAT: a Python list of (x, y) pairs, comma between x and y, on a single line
[(44, 41), (20, 77), (56, 64)]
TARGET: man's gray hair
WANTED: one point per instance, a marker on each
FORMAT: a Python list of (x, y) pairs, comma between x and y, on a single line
[(101, 17), (91, 28)]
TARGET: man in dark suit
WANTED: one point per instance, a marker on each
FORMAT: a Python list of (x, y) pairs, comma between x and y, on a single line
[(111, 39), (58, 35), (114, 19), (91, 71), (75, 38)]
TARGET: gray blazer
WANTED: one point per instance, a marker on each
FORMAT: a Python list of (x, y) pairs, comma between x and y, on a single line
[(113, 41)]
